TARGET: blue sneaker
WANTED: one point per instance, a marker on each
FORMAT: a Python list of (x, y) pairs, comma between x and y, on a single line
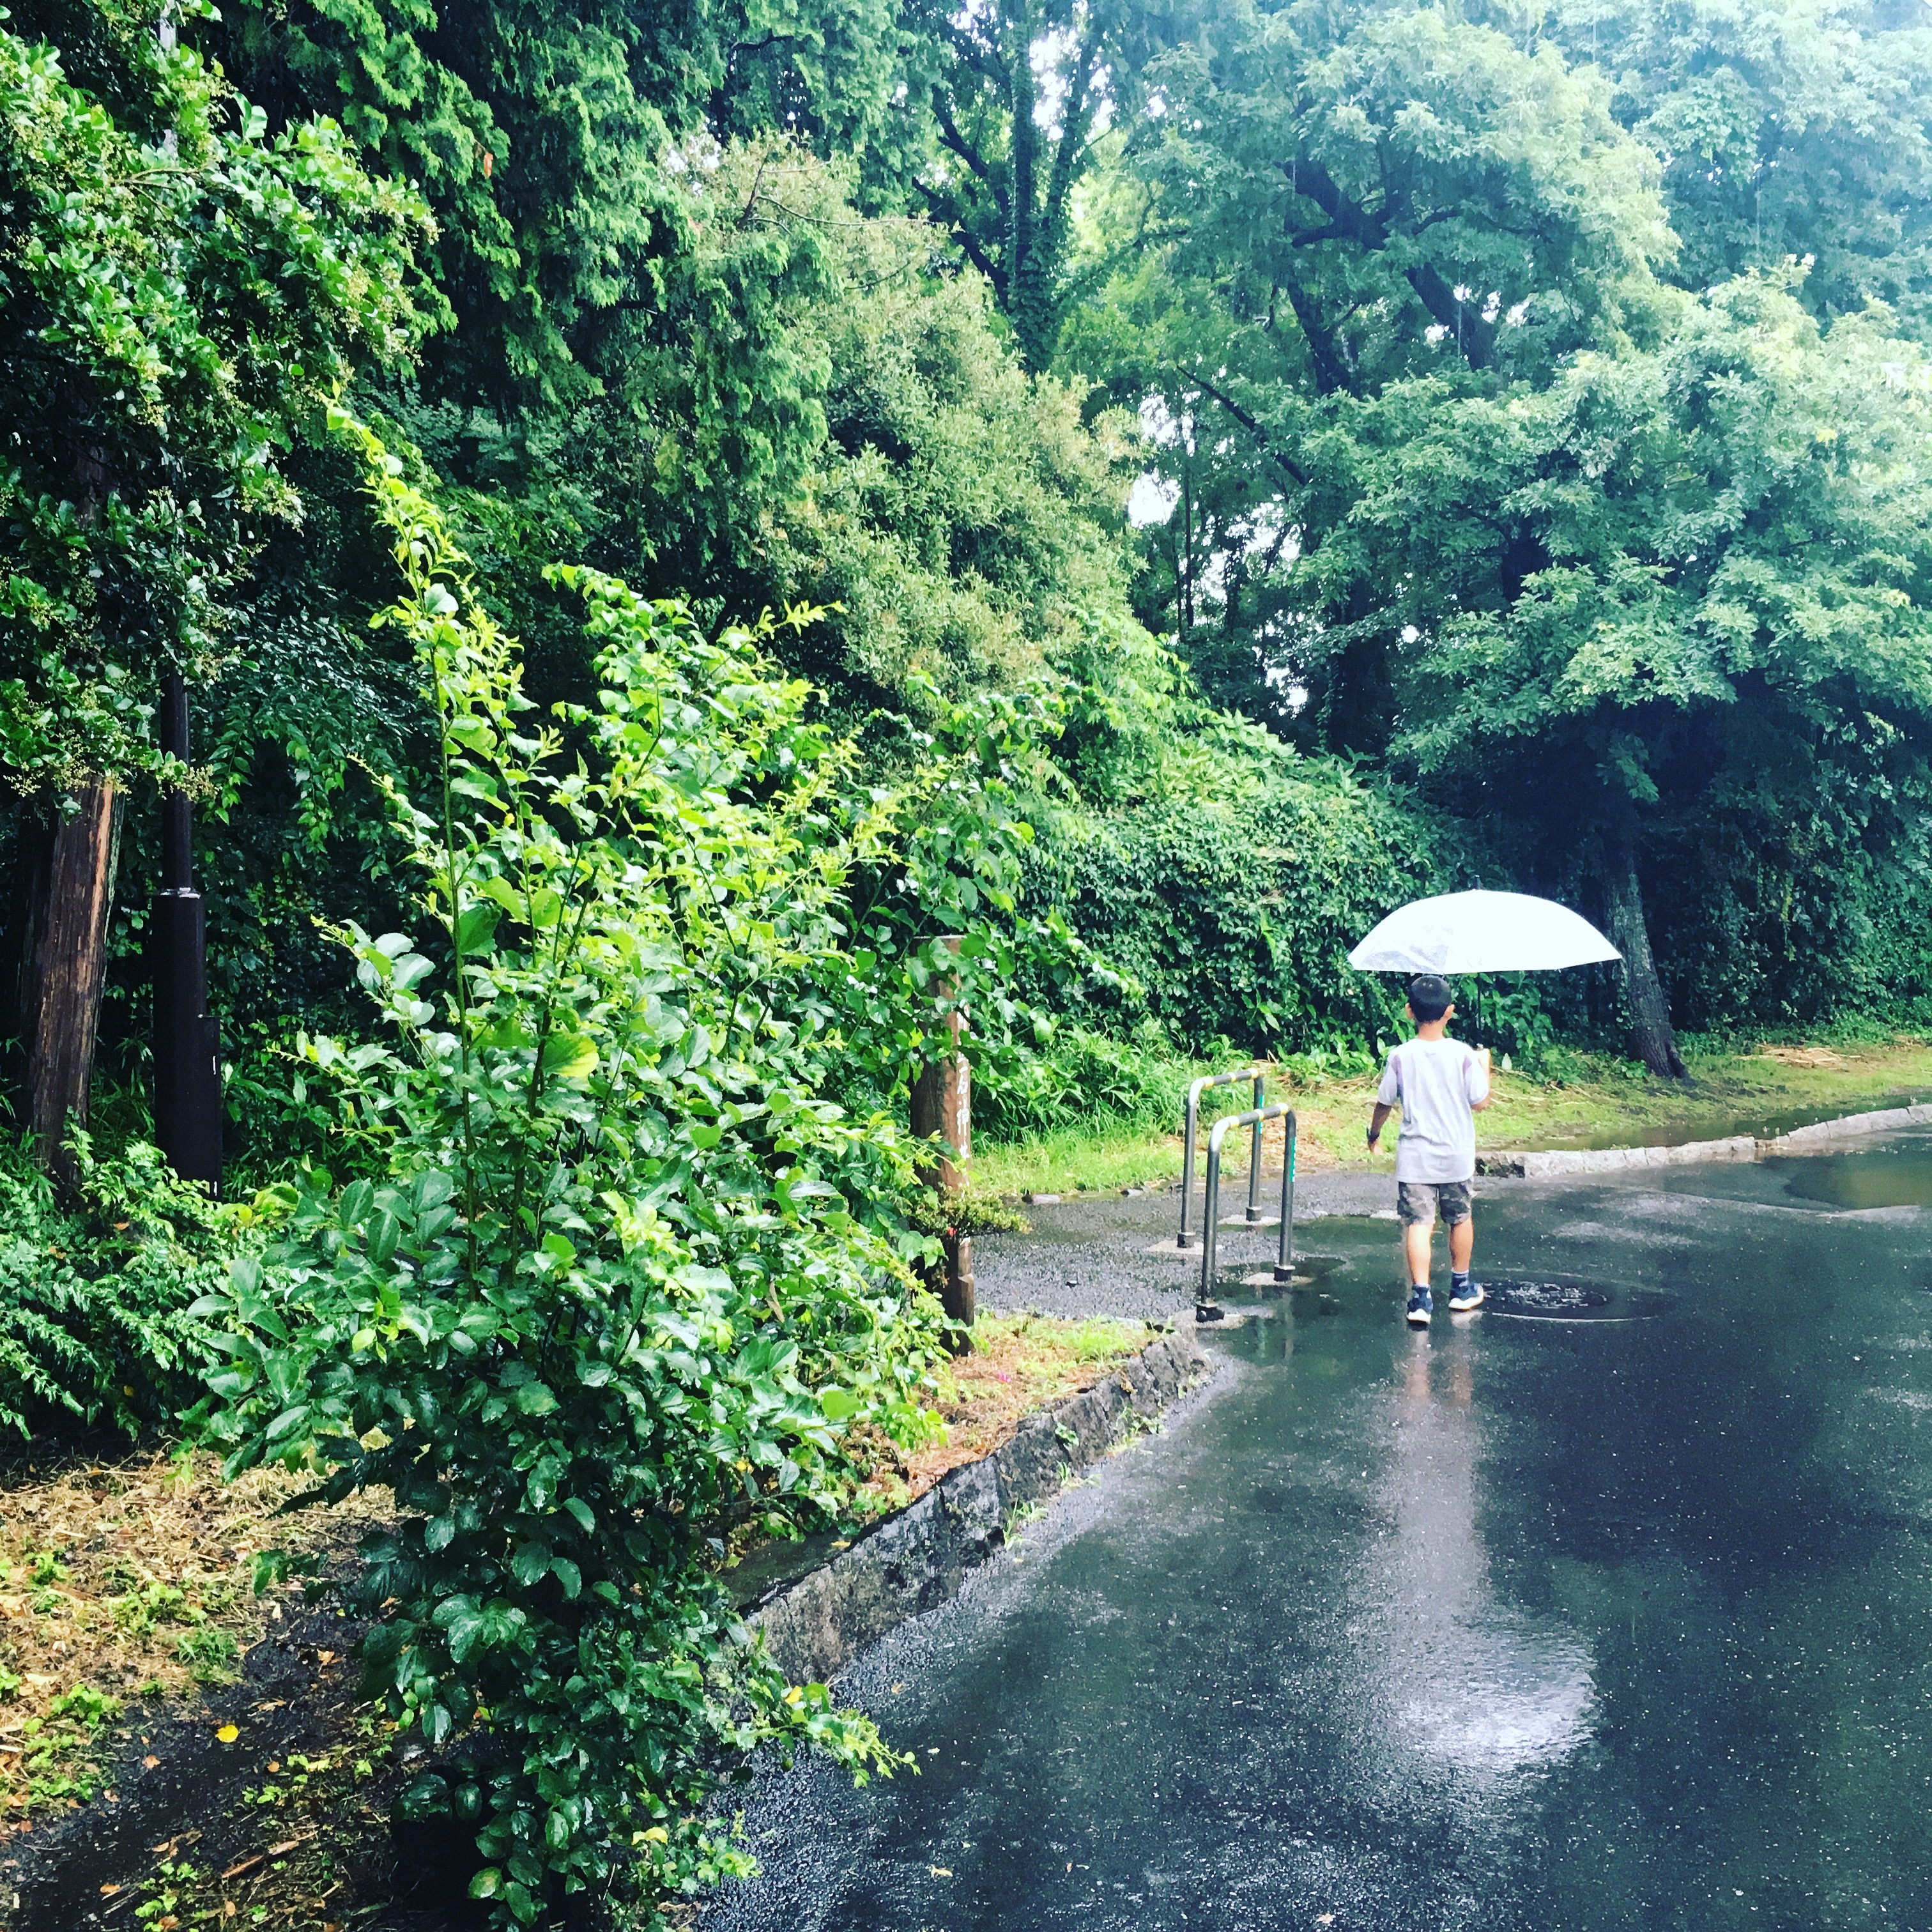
[(1420, 1308), (1468, 1296)]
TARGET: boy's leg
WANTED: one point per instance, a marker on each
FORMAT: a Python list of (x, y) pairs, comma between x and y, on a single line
[(1415, 1204), (1418, 1240), (1465, 1291)]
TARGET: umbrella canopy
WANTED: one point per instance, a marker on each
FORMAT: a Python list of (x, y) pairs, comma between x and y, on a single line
[(1481, 932)]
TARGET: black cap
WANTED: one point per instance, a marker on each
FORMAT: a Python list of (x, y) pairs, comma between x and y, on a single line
[(1429, 995)]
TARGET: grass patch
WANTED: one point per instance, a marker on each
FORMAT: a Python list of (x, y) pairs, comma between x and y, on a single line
[(122, 1582), (1074, 1160), (1019, 1365), (1582, 1100)]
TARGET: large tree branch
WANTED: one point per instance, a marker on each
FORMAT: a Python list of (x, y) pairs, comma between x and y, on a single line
[(1249, 422), (1331, 372), (1073, 134), (948, 132), (1349, 219), (946, 213), (1474, 338)]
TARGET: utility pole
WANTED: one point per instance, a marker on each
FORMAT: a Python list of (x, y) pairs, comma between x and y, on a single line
[(187, 1043)]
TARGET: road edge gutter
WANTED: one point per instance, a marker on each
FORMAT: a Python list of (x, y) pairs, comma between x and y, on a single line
[(917, 1559)]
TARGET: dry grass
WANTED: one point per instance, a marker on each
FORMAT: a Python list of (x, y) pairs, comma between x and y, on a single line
[(1803, 1056), (118, 1581)]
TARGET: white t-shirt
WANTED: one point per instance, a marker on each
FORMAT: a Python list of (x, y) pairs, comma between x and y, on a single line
[(1437, 1081)]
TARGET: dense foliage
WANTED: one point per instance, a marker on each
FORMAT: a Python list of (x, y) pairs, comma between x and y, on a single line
[(95, 1290), (180, 292), (1525, 420), (618, 1278), (1228, 897)]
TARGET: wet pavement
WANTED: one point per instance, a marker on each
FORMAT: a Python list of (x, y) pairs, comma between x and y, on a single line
[(1523, 1623)]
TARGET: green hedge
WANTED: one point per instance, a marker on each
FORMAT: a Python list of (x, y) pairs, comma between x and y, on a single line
[(1229, 900)]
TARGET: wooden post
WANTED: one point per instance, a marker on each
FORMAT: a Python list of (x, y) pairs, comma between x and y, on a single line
[(942, 1105), (942, 1101), (70, 879)]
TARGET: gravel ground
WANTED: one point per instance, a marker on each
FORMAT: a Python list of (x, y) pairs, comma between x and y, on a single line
[(1088, 1256)]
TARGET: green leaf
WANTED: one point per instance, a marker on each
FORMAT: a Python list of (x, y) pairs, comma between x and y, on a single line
[(530, 1562), (571, 1057), (476, 930)]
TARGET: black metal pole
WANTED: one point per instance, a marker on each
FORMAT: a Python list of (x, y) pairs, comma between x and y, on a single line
[(187, 1043)]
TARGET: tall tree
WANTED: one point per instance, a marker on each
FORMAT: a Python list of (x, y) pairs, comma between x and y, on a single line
[(1022, 94), (1328, 208), (1785, 128), (1732, 538)]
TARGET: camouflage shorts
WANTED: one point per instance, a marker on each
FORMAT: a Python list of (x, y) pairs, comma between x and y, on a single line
[(1417, 1202)]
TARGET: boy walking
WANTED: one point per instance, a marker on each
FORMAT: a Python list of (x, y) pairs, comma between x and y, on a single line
[(1441, 1085)]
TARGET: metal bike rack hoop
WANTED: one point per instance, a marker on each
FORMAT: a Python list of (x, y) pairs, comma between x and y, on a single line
[(1191, 1131), (1284, 1263)]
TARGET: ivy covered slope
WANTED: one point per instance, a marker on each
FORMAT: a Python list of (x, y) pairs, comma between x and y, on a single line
[(613, 1276), (180, 293)]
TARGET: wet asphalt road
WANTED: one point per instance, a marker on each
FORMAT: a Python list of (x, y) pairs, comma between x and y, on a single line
[(1520, 1624)]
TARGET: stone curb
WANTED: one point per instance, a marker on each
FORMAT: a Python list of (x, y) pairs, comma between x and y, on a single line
[(917, 1559), (1738, 1146), (1801, 1140), (1604, 1160)]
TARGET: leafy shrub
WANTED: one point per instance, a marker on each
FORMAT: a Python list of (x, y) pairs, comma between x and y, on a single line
[(95, 1290), (1227, 900), (626, 1280), (1082, 1076)]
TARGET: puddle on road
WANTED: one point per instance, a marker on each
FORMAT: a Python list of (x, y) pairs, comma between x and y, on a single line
[(1567, 1301), (1891, 1177), (1505, 1626)]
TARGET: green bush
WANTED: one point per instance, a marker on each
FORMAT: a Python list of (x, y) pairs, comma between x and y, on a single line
[(626, 1279), (1083, 1077), (1228, 898), (95, 1287)]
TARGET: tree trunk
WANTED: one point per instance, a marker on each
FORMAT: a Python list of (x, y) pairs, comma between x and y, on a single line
[(1027, 268), (942, 1102), (68, 866), (1652, 1039)]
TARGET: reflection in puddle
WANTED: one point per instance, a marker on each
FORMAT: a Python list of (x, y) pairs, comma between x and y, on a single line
[(1465, 1683), (1502, 1700), (1893, 1178)]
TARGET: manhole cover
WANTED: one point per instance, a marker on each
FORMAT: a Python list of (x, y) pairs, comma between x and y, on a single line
[(1573, 1300)]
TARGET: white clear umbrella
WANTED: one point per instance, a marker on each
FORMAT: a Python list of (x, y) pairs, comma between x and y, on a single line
[(1481, 932)]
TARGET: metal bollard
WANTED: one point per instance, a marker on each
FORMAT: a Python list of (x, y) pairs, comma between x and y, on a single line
[(1191, 1131), (1254, 1208), (1205, 1309), (1284, 1255)]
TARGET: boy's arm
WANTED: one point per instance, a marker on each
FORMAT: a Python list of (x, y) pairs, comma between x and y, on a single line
[(1387, 1095), (1482, 1054)]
